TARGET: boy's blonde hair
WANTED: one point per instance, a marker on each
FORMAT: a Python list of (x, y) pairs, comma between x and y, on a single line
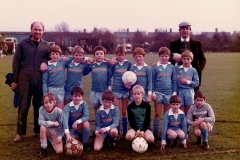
[(187, 53), (99, 48), (164, 50), (121, 49), (139, 88), (55, 48), (138, 51), (78, 49)]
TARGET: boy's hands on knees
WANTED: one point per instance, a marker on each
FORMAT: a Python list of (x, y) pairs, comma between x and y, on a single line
[(97, 133), (74, 126), (139, 134), (102, 130), (55, 123)]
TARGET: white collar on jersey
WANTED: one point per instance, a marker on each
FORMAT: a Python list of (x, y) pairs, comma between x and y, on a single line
[(102, 107), (72, 104), (171, 112), (144, 64), (159, 63), (52, 63), (185, 67)]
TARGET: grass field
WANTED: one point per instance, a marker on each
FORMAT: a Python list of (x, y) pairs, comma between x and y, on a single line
[(221, 79)]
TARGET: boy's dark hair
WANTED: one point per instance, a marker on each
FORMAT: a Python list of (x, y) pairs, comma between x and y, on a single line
[(99, 48), (199, 94), (175, 99), (50, 96), (121, 49), (164, 50), (108, 95), (77, 90)]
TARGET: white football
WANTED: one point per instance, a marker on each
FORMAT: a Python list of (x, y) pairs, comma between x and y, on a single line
[(73, 148), (139, 144), (129, 76)]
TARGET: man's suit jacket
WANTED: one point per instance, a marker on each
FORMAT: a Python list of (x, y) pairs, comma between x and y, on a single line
[(199, 60)]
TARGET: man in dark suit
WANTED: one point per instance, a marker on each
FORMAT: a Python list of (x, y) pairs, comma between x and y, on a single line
[(178, 46)]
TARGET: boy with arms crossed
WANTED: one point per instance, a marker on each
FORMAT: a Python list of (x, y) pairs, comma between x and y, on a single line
[(202, 117), (107, 121), (164, 85), (121, 93)]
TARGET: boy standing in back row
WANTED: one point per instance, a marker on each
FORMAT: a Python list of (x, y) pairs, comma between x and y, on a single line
[(100, 78), (164, 85)]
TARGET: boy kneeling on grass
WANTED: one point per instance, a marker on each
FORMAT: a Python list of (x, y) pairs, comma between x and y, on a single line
[(174, 125), (75, 118), (202, 117), (50, 121), (107, 121)]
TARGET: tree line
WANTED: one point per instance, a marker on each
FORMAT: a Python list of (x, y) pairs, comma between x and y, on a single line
[(218, 42)]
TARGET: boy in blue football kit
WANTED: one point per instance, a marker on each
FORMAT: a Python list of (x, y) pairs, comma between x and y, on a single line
[(164, 85), (75, 71), (121, 93), (143, 73), (202, 117), (50, 121), (174, 125), (54, 77), (75, 118), (187, 80), (100, 77), (107, 121)]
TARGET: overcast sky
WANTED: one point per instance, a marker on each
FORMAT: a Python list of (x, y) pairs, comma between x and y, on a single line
[(145, 15)]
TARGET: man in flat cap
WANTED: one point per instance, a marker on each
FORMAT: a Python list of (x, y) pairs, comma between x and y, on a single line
[(178, 46)]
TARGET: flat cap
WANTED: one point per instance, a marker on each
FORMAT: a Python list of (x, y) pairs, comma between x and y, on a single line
[(184, 24)]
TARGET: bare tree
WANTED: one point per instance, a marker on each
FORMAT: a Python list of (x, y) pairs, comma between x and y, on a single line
[(62, 27)]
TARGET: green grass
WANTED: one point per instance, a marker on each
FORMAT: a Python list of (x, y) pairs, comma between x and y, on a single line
[(221, 79)]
